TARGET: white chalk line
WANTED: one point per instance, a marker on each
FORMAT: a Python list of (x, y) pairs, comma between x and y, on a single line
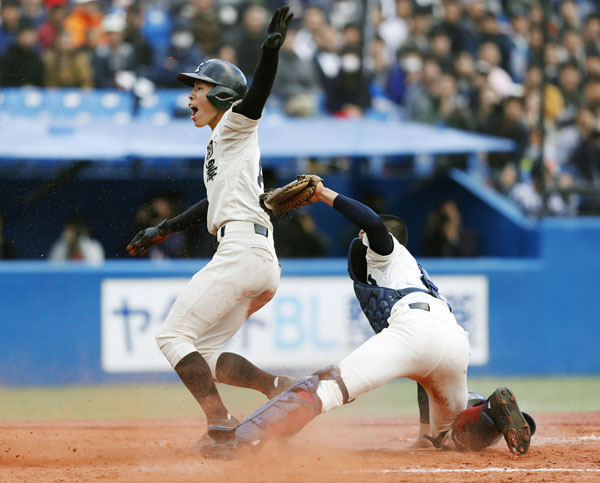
[(481, 470)]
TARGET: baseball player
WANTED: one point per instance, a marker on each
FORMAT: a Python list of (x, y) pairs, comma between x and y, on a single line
[(244, 273), (417, 336)]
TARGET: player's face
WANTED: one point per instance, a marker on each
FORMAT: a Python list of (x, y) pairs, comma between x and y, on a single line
[(203, 112)]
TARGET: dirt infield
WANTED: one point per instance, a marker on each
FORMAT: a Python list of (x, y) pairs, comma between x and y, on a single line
[(566, 447)]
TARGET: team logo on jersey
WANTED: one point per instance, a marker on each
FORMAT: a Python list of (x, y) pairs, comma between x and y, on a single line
[(210, 165)]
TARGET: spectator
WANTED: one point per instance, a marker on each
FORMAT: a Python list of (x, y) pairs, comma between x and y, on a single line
[(461, 39), (572, 43), (585, 160), (520, 53), (66, 67), (440, 48), (297, 83), (540, 197), (498, 78), (349, 93), (327, 56), (464, 73), (296, 236), (247, 45), (445, 235), (570, 17), (452, 111), (378, 64), (33, 10), (143, 52), (591, 32), (419, 99), (507, 122), (393, 27), (181, 55), (207, 26), (571, 136), (592, 65), (569, 82), (491, 32), (420, 27), (84, 23), (52, 25), (75, 243), (554, 103), (9, 23), (116, 56), (21, 65), (591, 95), (315, 33), (7, 250), (227, 52)]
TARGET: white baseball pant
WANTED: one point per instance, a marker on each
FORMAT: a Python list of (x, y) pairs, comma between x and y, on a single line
[(242, 276)]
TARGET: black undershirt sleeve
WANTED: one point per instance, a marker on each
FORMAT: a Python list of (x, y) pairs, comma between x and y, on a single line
[(264, 75), (193, 216), (380, 241)]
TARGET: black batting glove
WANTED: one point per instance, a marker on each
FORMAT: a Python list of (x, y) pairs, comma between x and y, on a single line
[(277, 29), (146, 238)]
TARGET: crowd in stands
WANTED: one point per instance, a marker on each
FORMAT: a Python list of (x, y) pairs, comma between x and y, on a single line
[(477, 65)]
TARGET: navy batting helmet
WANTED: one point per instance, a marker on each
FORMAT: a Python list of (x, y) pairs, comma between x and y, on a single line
[(230, 82)]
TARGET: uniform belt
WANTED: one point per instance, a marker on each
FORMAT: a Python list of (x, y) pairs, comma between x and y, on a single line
[(419, 305), (244, 227)]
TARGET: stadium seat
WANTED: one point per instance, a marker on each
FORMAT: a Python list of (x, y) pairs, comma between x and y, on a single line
[(163, 105), (81, 105)]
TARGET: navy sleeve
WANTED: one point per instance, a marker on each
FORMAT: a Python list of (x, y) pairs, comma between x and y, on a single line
[(191, 217), (364, 217), (262, 82)]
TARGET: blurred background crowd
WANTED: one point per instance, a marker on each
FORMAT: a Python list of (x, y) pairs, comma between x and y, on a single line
[(527, 70)]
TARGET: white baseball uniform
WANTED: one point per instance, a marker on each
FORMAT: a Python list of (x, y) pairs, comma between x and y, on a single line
[(426, 346), (244, 273)]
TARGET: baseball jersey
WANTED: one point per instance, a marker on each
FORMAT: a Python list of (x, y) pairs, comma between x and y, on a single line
[(397, 270), (233, 173)]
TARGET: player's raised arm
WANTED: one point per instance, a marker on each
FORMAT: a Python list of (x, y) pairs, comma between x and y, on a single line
[(361, 215), (264, 74)]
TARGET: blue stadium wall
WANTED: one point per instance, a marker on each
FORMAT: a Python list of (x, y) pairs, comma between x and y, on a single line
[(543, 317)]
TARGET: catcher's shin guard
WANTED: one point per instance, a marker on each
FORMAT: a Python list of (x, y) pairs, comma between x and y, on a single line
[(284, 415), (288, 412)]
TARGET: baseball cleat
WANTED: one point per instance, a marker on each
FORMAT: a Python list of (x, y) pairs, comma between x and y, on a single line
[(215, 430), (503, 410)]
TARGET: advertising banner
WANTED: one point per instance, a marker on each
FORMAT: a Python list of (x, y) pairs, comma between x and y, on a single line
[(312, 322)]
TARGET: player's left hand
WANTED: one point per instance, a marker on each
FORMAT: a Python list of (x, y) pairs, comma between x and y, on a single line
[(277, 29), (146, 238)]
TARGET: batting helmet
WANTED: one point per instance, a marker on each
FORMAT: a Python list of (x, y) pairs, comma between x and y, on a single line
[(230, 82)]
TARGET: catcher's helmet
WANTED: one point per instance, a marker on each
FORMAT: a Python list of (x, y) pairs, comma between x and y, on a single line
[(230, 82)]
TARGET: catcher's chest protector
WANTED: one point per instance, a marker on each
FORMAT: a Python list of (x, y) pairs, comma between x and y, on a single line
[(375, 302)]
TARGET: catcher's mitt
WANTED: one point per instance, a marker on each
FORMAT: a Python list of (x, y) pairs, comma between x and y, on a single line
[(293, 195)]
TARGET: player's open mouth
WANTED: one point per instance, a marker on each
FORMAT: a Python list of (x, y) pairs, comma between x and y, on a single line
[(194, 110)]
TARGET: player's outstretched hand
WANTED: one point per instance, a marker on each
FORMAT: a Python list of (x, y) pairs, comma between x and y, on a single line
[(277, 29), (146, 238), (318, 191)]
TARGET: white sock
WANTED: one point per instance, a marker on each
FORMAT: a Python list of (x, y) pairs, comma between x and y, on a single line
[(330, 395)]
